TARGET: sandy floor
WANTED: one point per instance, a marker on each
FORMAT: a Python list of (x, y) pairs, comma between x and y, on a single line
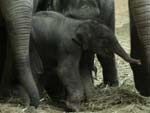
[(124, 99)]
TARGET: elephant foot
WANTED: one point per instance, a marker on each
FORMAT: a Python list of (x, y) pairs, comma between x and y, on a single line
[(72, 107), (24, 96), (104, 86), (74, 100), (143, 87), (34, 101), (141, 79), (89, 93), (113, 83), (19, 91)]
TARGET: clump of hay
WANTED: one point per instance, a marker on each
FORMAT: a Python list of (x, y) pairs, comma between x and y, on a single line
[(107, 98)]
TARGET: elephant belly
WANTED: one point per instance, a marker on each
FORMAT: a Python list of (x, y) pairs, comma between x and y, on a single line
[(49, 61)]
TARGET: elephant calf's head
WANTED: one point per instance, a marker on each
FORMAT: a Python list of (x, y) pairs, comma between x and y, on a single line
[(97, 37)]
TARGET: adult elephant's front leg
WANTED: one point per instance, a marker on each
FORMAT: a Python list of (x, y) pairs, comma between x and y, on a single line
[(86, 66), (137, 52), (68, 73), (109, 70), (140, 43), (108, 63), (2, 46), (17, 15)]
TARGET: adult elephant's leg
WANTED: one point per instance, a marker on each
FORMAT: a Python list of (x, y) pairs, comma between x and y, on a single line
[(109, 70), (18, 15), (140, 43), (136, 52), (86, 66), (7, 72), (3, 52), (108, 63), (2, 46)]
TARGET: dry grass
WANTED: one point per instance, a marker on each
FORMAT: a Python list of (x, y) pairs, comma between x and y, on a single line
[(114, 99)]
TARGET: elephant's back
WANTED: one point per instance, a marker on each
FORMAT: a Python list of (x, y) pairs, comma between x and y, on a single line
[(48, 21), (54, 24), (54, 27), (50, 14), (45, 37)]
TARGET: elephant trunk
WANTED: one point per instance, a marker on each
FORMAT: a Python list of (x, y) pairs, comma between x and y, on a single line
[(18, 16), (140, 13), (121, 52)]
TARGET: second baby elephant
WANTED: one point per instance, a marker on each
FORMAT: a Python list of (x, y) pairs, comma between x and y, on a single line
[(60, 41)]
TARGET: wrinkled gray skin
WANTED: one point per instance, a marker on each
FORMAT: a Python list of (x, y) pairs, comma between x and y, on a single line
[(60, 42), (140, 43), (85, 9), (15, 24), (2, 46)]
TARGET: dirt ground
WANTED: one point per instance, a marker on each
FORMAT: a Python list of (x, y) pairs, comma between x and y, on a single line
[(124, 99)]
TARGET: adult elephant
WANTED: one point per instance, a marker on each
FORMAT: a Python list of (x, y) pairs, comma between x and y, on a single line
[(16, 16), (140, 43), (2, 46), (85, 9)]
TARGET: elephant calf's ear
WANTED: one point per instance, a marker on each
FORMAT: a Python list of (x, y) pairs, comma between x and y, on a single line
[(82, 38)]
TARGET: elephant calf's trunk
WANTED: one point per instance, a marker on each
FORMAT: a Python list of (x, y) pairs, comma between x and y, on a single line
[(121, 52)]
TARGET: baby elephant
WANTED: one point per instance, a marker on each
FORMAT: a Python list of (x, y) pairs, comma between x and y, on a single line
[(60, 42)]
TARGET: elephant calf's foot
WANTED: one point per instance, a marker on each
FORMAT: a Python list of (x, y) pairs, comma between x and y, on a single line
[(72, 106), (74, 100), (35, 101), (89, 93)]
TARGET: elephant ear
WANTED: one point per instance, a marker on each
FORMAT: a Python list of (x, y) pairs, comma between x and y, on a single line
[(82, 37)]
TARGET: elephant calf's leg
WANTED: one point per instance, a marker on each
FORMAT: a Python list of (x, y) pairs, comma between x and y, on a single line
[(54, 86), (68, 73), (86, 66), (109, 70)]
